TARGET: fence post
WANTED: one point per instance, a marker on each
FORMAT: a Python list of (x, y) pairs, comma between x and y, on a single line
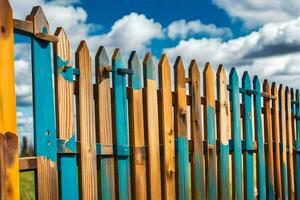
[(236, 129), (152, 129), (209, 127), (9, 155), (65, 117), (106, 188), (180, 113), (167, 129), (137, 138), (43, 108), (197, 135), (223, 132), (85, 124), (121, 123)]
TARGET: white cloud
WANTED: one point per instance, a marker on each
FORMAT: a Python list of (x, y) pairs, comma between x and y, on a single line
[(259, 12), (183, 29)]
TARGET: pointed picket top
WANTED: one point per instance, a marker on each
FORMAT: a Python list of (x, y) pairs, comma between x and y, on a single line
[(102, 59), (266, 86), (117, 59), (149, 68), (135, 80), (193, 69), (82, 48), (287, 91), (164, 62), (274, 89), (63, 45), (179, 73), (221, 75), (281, 89), (6, 16), (164, 70), (256, 83), (40, 22), (292, 95), (233, 76), (208, 80), (246, 81)]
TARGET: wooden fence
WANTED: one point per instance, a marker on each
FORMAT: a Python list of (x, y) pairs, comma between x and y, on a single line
[(142, 140)]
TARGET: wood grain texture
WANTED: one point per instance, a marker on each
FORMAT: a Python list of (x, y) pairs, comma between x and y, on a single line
[(282, 117), (180, 127), (85, 124), (236, 130), (291, 175), (276, 133), (9, 162), (197, 135), (223, 134), (152, 129), (65, 116), (210, 130), (40, 22), (104, 125), (269, 140), (136, 125), (168, 173)]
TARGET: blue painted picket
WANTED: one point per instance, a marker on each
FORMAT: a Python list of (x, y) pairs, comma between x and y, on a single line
[(297, 145)]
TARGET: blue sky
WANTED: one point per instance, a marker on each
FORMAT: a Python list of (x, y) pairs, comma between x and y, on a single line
[(262, 37)]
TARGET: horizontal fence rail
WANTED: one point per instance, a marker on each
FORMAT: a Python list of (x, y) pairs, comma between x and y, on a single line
[(129, 135)]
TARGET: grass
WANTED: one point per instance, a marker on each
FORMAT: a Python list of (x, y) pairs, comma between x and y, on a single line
[(27, 185)]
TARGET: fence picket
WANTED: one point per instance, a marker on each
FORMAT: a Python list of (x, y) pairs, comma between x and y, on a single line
[(65, 116), (269, 140), (9, 155), (167, 129), (104, 136), (297, 146), (197, 163), (43, 109), (180, 127), (121, 120), (85, 124), (209, 127), (137, 138), (236, 129), (248, 136), (152, 129)]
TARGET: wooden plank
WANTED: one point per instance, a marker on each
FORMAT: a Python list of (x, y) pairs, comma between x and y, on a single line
[(269, 139), (152, 129), (168, 173), (297, 146), (209, 128), (248, 136), (197, 163), (291, 178), (9, 159), (276, 129), (65, 116), (180, 127), (44, 110), (136, 122), (282, 116), (85, 124), (23, 27), (27, 163), (293, 122), (121, 119), (104, 129), (236, 130), (223, 134)]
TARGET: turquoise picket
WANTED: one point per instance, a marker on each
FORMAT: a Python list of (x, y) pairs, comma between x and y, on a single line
[(261, 170), (249, 187), (297, 145), (121, 125), (236, 129)]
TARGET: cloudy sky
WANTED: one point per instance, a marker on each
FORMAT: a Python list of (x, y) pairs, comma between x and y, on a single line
[(262, 37)]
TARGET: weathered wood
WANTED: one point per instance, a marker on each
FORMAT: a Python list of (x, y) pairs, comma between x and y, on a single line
[(44, 110), (276, 129), (136, 122), (282, 116), (9, 159), (209, 129), (27, 164), (121, 119), (23, 27), (236, 130), (269, 139), (180, 127), (40, 22), (85, 124), (197, 163), (223, 134), (104, 128), (65, 116), (167, 131), (291, 178), (297, 146), (152, 129)]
